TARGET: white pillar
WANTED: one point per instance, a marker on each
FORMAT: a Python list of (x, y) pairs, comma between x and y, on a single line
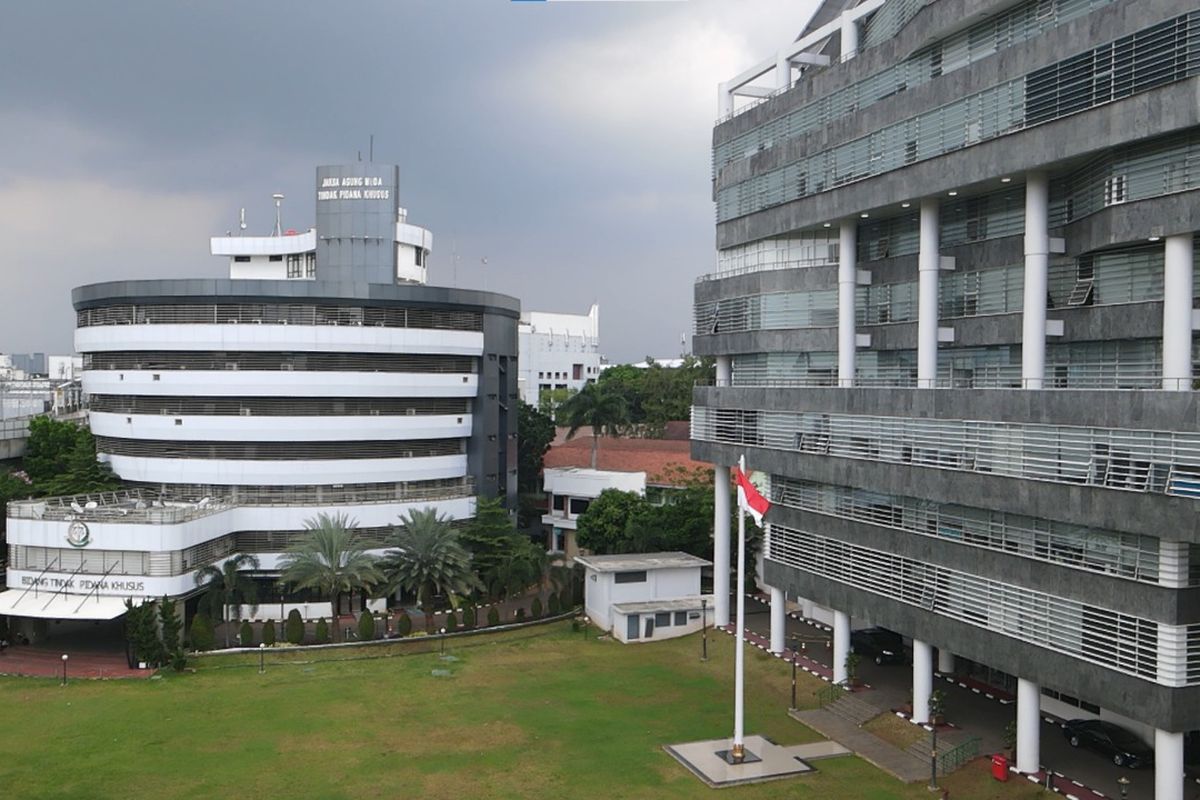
[(1168, 765), (928, 264), (783, 71), (922, 677), (778, 617), (1037, 264), (1029, 726), (847, 285), (945, 661), (1173, 563), (841, 645), (806, 608), (721, 546), (849, 37), (1177, 313), (739, 663), (724, 101)]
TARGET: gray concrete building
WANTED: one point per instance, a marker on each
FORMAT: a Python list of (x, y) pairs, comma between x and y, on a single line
[(953, 320)]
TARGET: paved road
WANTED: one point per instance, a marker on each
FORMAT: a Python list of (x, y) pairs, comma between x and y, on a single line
[(973, 712)]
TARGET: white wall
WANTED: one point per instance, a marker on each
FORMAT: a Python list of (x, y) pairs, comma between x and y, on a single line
[(271, 336), (660, 584), (276, 383), (291, 472), (589, 483), (224, 428), (620, 627)]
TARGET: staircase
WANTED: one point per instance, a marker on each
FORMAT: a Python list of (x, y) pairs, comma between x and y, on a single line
[(851, 709), (955, 748)]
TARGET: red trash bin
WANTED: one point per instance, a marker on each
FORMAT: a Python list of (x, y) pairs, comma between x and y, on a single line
[(1000, 767)]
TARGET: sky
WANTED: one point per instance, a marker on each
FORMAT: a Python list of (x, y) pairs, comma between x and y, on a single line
[(567, 143)]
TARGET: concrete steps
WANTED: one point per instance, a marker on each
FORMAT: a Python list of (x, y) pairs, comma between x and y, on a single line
[(852, 709)]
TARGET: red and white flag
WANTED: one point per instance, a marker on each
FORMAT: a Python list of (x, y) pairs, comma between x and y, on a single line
[(749, 499)]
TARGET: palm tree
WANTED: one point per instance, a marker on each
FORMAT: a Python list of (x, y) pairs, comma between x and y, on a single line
[(428, 559), (330, 560), (597, 407), (521, 564), (228, 585)]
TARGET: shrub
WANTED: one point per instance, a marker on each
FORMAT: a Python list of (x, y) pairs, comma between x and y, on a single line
[(564, 599), (403, 624), (178, 660), (202, 633), (451, 621), (294, 629), (555, 605), (268, 633), (246, 635), (535, 608), (521, 614), (322, 632), (493, 616), (469, 618), (366, 625)]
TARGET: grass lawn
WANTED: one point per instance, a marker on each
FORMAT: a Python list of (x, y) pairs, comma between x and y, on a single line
[(552, 716), (899, 732)]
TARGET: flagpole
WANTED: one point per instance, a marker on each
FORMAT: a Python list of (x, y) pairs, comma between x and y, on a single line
[(739, 689)]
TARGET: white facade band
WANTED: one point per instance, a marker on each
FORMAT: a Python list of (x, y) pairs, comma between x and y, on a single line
[(928, 266), (847, 286), (1037, 261), (1177, 313)]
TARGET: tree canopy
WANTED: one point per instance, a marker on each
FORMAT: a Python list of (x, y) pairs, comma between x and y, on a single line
[(655, 395), (428, 559), (595, 407), (535, 433)]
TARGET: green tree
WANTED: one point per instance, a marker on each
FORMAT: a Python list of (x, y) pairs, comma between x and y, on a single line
[(493, 616), (625, 380), (535, 432), (403, 624), (366, 625), (428, 559), (228, 585), (469, 617), (330, 560), (60, 459), (522, 564), (294, 629), (603, 528), (487, 536), (246, 635), (597, 408), (169, 625), (202, 633), (550, 400), (141, 634), (451, 621), (268, 633), (321, 634)]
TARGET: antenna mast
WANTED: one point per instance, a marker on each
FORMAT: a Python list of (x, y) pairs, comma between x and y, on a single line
[(278, 198)]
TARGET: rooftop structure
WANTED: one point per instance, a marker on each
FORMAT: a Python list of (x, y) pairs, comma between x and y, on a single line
[(558, 352)]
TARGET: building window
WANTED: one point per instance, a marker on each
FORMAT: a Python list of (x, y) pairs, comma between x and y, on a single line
[(418, 256), (275, 258), (579, 506), (242, 259), (558, 502), (681, 618), (630, 577), (293, 265), (662, 619), (1115, 190), (310, 265), (577, 372)]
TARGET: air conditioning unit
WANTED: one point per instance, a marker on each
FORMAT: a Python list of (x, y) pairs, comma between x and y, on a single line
[(410, 412), (231, 321)]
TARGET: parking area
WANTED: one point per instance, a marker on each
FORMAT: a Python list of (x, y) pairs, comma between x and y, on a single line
[(971, 709)]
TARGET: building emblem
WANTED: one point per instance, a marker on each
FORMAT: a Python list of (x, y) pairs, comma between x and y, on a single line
[(78, 535)]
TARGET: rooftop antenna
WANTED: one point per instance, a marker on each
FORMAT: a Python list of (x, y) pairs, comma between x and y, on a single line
[(242, 220), (278, 213)]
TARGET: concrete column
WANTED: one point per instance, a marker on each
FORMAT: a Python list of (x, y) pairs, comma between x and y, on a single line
[(1168, 765), (1173, 563), (724, 101), (1029, 726), (806, 608), (928, 265), (849, 37), (1177, 313), (945, 661), (1037, 265), (841, 645), (847, 285), (783, 71), (721, 545), (778, 617), (922, 685)]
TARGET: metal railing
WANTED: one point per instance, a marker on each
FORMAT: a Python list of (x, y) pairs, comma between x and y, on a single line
[(1094, 377), (280, 451), (278, 314), (950, 760), (130, 505)]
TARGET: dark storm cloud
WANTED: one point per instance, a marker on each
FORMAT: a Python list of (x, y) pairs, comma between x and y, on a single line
[(566, 143)]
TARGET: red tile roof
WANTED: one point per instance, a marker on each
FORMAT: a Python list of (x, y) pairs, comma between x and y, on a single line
[(655, 457)]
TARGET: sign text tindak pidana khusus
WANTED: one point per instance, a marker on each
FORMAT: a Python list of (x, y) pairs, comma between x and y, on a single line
[(352, 188)]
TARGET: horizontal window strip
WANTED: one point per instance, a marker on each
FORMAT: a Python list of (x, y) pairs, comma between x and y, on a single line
[(278, 406), (1124, 555), (1129, 460), (1099, 635), (277, 361), (279, 314), (266, 451)]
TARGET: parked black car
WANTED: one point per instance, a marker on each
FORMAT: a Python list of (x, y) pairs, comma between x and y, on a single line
[(880, 644), (1125, 748)]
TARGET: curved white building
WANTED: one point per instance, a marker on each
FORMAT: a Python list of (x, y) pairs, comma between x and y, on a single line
[(235, 410)]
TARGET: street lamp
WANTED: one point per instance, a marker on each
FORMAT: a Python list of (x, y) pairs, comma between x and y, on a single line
[(262, 657), (1123, 782), (443, 632), (585, 627), (704, 629), (64, 660), (795, 647), (933, 758)]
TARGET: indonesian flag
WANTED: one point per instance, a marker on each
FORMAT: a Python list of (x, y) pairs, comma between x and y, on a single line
[(749, 500)]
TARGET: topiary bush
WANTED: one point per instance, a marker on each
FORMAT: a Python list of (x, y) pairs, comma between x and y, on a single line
[(451, 621), (246, 635), (535, 608), (202, 633), (178, 660), (554, 605), (403, 624), (269, 633), (469, 618), (366, 626), (322, 632), (521, 614), (293, 631), (564, 599), (493, 616)]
